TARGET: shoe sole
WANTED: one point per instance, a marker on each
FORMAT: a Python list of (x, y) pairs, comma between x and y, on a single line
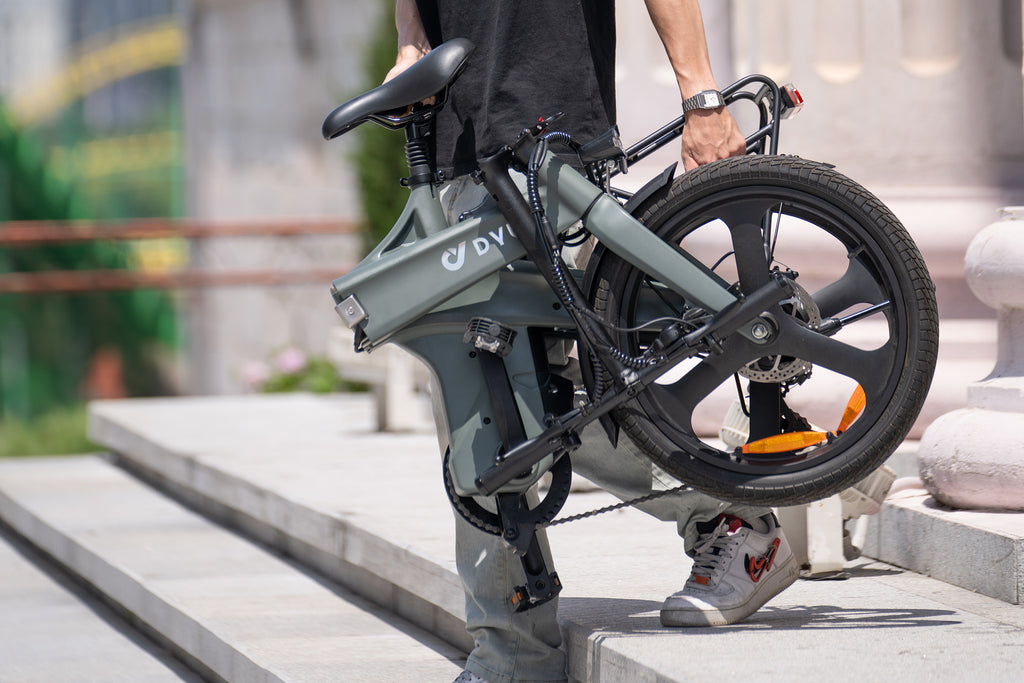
[(784, 577)]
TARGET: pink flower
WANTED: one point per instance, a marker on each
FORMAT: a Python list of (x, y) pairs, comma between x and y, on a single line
[(254, 374), (290, 361)]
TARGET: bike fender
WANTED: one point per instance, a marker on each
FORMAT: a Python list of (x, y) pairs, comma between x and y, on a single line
[(653, 185)]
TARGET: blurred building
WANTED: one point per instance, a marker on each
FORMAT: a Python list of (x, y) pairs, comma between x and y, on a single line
[(921, 101), (32, 44), (259, 78)]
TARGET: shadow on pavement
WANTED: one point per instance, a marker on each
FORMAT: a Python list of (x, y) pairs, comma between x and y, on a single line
[(624, 617)]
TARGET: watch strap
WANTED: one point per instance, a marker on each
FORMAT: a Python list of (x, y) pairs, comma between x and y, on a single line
[(705, 99)]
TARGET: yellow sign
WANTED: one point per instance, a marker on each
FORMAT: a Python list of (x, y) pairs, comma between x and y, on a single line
[(152, 47)]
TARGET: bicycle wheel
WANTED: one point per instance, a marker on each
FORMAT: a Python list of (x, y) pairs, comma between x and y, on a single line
[(849, 357)]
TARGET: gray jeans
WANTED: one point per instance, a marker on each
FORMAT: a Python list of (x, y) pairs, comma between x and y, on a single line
[(525, 646)]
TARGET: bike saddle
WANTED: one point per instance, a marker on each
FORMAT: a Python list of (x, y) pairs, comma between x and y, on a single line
[(387, 103)]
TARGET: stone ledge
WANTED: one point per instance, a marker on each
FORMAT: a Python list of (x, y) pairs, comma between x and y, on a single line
[(275, 468), (288, 460), (977, 550)]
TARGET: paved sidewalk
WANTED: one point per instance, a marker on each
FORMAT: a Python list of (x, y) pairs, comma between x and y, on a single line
[(370, 508)]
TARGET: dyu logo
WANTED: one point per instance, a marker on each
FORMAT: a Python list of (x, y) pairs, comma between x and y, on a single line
[(454, 258)]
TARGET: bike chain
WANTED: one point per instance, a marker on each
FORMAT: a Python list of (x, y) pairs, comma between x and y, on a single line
[(493, 528), (618, 506)]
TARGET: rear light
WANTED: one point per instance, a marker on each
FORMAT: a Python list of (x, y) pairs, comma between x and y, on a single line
[(792, 100)]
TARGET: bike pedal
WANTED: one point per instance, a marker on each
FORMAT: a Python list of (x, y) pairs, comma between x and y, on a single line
[(522, 600), (490, 335)]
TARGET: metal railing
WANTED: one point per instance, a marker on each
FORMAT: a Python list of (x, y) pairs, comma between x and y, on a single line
[(39, 233)]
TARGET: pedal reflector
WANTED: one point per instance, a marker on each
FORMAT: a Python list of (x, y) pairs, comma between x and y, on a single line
[(854, 407), (782, 443)]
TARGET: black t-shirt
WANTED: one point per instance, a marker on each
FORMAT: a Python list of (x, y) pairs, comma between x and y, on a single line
[(533, 58)]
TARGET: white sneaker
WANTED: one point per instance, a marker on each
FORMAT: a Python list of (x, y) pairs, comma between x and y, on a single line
[(468, 677), (736, 570)]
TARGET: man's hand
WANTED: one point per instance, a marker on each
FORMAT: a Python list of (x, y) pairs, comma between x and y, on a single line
[(407, 56), (412, 38), (709, 135)]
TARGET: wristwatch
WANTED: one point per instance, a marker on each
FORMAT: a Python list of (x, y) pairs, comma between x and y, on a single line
[(705, 99)]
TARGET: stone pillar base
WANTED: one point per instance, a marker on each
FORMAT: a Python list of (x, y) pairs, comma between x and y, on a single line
[(973, 459)]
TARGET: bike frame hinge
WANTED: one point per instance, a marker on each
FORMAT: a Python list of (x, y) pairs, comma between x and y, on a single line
[(351, 311)]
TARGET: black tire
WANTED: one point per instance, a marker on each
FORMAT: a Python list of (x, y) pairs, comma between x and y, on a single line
[(845, 251)]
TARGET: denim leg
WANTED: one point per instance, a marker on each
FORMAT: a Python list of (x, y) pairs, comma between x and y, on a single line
[(627, 473), (508, 645), (525, 646)]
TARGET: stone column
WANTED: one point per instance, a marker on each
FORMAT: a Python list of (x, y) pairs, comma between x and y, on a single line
[(259, 77), (974, 457)]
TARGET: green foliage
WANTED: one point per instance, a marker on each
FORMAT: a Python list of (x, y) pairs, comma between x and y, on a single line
[(380, 152), (60, 431), (290, 369), (47, 341), (318, 376)]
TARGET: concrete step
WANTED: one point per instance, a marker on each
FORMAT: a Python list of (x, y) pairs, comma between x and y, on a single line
[(310, 475), (982, 551), (51, 629), (231, 609)]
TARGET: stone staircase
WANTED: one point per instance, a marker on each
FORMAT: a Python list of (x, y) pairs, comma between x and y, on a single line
[(229, 608), (281, 538)]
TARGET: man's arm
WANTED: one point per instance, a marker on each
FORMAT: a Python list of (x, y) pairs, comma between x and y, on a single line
[(709, 134), (412, 38)]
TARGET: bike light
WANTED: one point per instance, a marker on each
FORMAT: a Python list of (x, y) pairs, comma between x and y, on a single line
[(782, 443), (854, 407), (792, 101)]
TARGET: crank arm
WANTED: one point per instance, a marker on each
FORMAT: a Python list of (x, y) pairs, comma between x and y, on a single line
[(559, 437), (563, 436)]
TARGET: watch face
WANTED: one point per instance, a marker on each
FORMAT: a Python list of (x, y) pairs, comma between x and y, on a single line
[(710, 99), (706, 99)]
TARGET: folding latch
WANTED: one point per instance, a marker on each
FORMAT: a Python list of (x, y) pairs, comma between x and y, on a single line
[(351, 311)]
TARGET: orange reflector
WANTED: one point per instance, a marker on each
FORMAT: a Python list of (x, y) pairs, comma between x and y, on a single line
[(781, 443), (853, 409)]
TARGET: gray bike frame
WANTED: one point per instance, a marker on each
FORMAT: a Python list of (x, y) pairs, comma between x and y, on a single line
[(422, 284)]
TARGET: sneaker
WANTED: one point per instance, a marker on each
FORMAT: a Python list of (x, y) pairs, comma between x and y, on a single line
[(468, 677), (736, 570)]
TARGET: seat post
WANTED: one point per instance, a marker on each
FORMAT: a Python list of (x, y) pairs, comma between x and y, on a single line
[(418, 153)]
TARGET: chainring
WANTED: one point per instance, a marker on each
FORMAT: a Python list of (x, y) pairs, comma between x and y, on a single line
[(485, 520)]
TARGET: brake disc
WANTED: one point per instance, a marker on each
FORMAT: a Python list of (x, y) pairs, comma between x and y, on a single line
[(780, 368)]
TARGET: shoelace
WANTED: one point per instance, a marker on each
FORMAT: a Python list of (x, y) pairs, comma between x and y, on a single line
[(707, 562)]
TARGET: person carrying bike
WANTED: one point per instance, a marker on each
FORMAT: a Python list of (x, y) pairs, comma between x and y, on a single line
[(534, 58)]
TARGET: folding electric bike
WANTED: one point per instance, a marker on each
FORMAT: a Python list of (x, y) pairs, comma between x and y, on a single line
[(767, 292)]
